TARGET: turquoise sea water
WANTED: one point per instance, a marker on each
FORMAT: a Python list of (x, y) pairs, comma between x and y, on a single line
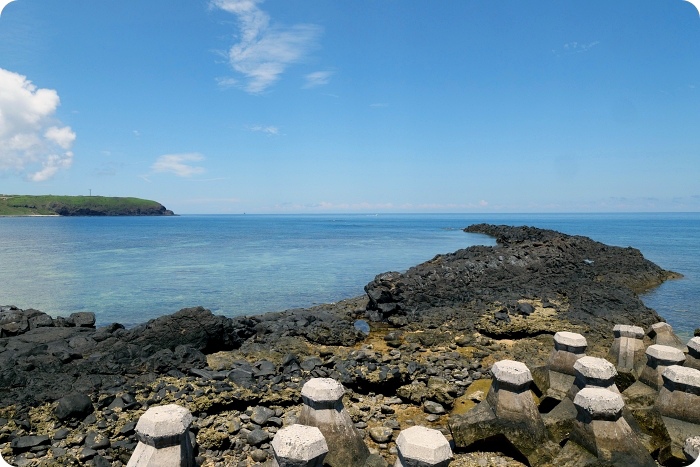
[(132, 269)]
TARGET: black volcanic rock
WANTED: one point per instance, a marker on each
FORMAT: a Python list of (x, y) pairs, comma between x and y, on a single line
[(534, 282), (195, 327), (594, 284), (74, 405)]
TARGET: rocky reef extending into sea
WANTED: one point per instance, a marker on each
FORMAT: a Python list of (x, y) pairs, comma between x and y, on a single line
[(416, 349)]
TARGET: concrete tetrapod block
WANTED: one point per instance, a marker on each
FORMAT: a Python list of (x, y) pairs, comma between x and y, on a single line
[(693, 358), (662, 334), (628, 352), (510, 398), (163, 435), (593, 372), (321, 393), (680, 395), (299, 446), (602, 431), (555, 378), (568, 347), (323, 408), (659, 357), (508, 411), (419, 446), (679, 406)]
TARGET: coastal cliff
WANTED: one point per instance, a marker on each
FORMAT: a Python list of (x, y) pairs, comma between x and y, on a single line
[(417, 346), (47, 205)]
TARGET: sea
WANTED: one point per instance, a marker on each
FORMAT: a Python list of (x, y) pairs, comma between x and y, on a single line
[(132, 269)]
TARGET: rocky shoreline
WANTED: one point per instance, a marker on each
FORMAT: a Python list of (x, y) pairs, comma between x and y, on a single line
[(70, 394)]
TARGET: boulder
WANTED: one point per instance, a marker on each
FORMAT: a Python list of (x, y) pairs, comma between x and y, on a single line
[(74, 405)]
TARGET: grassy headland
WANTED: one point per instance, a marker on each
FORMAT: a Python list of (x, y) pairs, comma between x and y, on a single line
[(26, 205)]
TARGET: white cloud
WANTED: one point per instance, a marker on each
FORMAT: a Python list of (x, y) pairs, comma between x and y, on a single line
[(318, 78), (178, 164), (267, 129), (63, 137), (264, 52), (33, 142)]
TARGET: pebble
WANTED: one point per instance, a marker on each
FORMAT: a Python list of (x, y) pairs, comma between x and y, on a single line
[(432, 407), (381, 434)]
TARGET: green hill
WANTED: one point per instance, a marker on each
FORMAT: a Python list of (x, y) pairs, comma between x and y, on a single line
[(25, 205)]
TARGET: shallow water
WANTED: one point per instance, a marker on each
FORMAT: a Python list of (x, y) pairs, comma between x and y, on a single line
[(132, 269)]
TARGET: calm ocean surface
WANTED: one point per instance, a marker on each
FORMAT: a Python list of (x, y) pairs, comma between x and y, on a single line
[(132, 269)]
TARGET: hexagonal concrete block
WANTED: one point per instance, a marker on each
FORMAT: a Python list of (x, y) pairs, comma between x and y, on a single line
[(571, 341), (666, 354), (422, 446), (694, 344), (511, 372), (661, 327), (683, 376), (662, 333), (599, 403), (163, 425), (595, 368), (625, 330), (299, 445), (322, 391)]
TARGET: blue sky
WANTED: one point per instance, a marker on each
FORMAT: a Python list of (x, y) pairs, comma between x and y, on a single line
[(291, 106)]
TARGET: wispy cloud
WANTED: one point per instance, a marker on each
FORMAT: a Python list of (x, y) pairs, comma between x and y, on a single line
[(318, 78), (267, 129), (178, 164), (264, 51), (367, 207), (571, 48), (31, 141), (378, 105), (211, 200)]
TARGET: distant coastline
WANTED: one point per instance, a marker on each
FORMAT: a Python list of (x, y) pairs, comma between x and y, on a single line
[(52, 205)]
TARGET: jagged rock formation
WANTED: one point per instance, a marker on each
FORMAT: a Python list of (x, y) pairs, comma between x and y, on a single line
[(535, 281)]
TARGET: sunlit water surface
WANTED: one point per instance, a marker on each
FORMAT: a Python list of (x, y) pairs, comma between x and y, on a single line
[(131, 269)]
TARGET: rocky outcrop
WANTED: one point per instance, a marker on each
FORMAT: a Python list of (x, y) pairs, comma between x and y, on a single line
[(534, 281), (122, 210)]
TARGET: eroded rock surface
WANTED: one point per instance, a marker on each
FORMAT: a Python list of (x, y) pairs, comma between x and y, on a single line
[(437, 330)]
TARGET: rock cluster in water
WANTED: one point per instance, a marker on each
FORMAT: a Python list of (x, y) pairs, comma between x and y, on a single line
[(71, 393)]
